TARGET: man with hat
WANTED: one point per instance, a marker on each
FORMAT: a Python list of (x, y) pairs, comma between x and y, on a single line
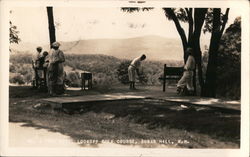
[(35, 65), (186, 81), (55, 70)]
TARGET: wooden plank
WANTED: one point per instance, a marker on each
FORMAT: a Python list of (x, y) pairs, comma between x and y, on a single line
[(92, 98)]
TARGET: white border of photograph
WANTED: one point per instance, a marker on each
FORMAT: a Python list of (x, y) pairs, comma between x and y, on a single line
[(242, 6)]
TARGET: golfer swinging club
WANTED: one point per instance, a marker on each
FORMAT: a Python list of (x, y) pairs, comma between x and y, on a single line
[(133, 68)]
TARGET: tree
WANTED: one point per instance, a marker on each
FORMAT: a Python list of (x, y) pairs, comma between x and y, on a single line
[(14, 38), (195, 22), (229, 58), (178, 15), (214, 22), (52, 34), (218, 27)]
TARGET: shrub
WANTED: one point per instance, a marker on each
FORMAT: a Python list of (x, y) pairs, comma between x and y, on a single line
[(28, 78), (17, 78), (12, 69), (229, 62), (73, 79), (122, 72)]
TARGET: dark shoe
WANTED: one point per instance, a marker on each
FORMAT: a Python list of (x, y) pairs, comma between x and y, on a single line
[(179, 89)]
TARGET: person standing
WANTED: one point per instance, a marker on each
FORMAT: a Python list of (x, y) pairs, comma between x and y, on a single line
[(55, 70), (35, 65), (186, 80), (42, 59), (134, 68)]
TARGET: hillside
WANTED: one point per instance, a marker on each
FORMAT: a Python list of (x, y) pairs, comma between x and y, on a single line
[(103, 67), (155, 47)]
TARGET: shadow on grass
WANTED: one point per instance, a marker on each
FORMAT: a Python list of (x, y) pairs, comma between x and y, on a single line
[(134, 119), (223, 124), (28, 92)]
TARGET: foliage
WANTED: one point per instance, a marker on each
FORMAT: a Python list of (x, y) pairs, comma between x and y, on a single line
[(106, 70), (180, 13), (122, 72), (208, 26), (208, 21), (17, 79), (204, 62), (21, 58), (209, 87), (103, 67), (73, 79), (229, 62), (13, 34), (150, 72), (20, 68)]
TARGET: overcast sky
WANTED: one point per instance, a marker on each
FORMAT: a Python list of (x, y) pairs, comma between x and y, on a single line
[(75, 23)]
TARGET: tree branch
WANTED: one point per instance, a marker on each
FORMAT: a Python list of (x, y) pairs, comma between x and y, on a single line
[(187, 10), (225, 18), (170, 12), (190, 23)]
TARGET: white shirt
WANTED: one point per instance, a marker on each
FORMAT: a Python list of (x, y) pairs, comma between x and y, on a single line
[(136, 62), (36, 57), (190, 64)]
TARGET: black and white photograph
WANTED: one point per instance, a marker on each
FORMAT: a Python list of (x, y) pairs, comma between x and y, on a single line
[(125, 76)]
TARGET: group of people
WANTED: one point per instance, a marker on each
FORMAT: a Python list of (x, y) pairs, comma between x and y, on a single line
[(184, 85), (48, 67)]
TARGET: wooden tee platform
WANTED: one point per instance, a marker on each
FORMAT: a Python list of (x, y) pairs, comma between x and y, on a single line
[(58, 102), (170, 95)]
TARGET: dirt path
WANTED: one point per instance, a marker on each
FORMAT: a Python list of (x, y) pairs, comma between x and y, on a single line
[(23, 136)]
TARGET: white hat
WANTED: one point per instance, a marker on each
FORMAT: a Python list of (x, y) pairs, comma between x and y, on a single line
[(56, 44)]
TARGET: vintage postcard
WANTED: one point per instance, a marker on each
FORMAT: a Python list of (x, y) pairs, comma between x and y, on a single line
[(124, 78)]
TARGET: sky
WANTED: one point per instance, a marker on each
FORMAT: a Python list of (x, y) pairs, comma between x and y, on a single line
[(76, 23)]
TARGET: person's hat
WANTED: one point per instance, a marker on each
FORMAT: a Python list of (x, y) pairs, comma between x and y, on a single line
[(56, 44), (45, 53), (39, 48), (143, 56)]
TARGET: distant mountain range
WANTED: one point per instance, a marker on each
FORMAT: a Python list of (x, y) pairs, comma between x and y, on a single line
[(155, 47)]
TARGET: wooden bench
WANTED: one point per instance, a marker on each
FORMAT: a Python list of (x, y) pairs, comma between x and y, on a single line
[(86, 76), (171, 73)]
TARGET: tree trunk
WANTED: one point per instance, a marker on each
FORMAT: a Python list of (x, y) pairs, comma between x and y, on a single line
[(190, 24), (209, 89), (190, 30), (199, 16), (52, 34), (194, 33), (180, 30)]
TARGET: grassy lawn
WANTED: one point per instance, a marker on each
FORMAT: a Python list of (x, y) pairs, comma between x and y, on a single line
[(169, 124)]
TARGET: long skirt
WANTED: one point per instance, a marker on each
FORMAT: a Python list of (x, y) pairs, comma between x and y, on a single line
[(55, 78)]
